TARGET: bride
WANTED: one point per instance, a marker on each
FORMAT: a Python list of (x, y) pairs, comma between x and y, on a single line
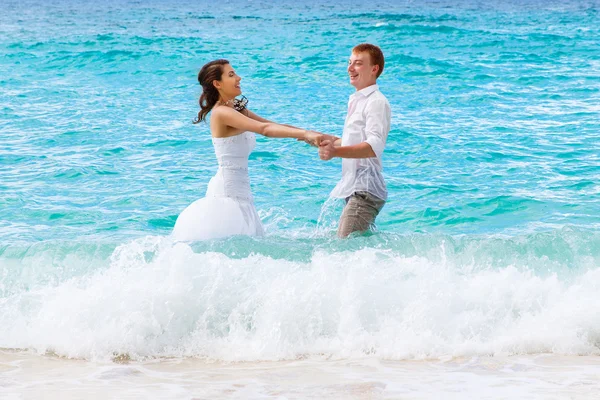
[(228, 207)]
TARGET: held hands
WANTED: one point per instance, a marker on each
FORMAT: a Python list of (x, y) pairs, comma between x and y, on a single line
[(323, 142), (313, 138)]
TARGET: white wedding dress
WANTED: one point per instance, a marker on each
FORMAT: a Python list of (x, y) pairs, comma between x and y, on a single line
[(228, 207)]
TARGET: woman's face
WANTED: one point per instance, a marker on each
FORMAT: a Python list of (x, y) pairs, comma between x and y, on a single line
[(229, 85)]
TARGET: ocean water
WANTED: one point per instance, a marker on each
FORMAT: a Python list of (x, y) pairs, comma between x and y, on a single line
[(488, 246)]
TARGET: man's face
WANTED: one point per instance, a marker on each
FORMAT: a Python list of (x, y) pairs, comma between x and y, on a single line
[(362, 73)]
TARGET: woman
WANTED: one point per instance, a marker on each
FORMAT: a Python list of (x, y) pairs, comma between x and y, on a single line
[(228, 208)]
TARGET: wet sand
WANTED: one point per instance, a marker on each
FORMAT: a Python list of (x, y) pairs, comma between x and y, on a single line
[(31, 376)]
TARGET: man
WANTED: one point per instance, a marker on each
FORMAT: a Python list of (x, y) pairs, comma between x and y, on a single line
[(362, 143)]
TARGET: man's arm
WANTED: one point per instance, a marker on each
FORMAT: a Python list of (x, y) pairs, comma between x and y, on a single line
[(329, 149), (377, 126)]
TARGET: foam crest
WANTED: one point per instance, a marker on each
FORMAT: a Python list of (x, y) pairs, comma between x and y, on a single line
[(161, 299)]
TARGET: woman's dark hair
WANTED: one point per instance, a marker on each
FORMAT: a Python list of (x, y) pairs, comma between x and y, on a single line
[(208, 73)]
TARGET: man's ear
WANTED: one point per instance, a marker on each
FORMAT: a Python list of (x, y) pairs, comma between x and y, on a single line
[(375, 69)]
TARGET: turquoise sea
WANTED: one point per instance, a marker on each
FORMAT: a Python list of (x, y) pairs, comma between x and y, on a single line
[(489, 244)]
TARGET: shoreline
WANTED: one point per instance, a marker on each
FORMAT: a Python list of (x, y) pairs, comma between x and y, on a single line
[(548, 376)]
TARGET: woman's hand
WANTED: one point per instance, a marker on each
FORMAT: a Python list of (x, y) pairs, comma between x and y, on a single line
[(313, 138)]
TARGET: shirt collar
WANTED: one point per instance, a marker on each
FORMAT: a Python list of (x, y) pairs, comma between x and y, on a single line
[(366, 91)]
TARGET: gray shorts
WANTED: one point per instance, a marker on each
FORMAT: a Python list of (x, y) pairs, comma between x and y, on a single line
[(359, 213)]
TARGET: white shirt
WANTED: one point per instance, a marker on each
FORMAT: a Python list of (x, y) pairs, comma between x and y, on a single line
[(368, 120)]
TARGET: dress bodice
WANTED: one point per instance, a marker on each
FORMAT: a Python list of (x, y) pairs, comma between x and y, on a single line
[(232, 178), (233, 151)]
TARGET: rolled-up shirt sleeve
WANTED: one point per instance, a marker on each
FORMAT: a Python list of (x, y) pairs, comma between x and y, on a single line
[(377, 124)]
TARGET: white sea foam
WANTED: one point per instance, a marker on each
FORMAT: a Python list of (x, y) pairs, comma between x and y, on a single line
[(163, 299)]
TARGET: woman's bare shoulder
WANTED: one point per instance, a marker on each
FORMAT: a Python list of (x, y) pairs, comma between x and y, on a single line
[(218, 127)]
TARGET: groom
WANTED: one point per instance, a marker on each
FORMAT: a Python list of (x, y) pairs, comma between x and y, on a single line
[(362, 143)]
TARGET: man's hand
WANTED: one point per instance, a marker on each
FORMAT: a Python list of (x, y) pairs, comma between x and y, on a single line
[(326, 150)]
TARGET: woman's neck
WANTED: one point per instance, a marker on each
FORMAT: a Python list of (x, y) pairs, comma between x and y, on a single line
[(225, 102)]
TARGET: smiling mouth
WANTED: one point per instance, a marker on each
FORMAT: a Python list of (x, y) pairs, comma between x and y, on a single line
[(353, 76)]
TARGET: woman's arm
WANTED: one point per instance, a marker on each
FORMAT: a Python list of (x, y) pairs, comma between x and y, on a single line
[(257, 117), (337, 141), (234, 119)]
